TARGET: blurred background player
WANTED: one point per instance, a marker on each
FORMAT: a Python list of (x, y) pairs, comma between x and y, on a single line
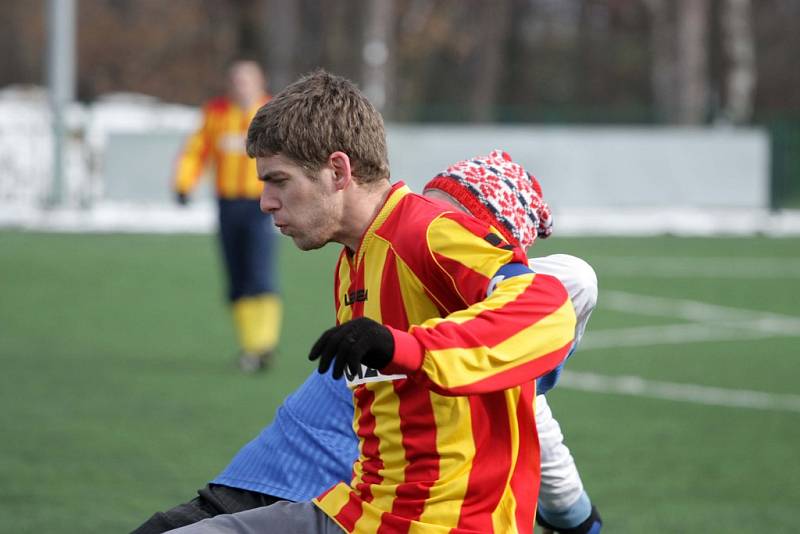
[(310, 445), (246, 234)]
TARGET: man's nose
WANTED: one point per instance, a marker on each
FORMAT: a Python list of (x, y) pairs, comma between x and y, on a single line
[(268, 201)]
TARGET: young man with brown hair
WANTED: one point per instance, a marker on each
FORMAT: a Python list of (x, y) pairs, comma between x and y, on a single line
[(310, 444), (442, 375)]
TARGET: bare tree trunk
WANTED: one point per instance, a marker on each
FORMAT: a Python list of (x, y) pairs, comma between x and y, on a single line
[(250, 15), (376, 52), (490, 49), (419, 48), (739, 45), (282, 28), (692, 67), (337, 43), (662, 50)]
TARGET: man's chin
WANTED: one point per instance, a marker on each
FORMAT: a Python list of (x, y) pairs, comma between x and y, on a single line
[(307, 244)]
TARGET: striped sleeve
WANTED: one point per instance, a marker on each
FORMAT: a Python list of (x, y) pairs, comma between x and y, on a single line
[(192, 159), (521, 331)]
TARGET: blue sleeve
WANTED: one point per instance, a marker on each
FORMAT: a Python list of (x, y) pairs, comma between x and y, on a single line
[(309, 446), (547, 382), (508, 270)]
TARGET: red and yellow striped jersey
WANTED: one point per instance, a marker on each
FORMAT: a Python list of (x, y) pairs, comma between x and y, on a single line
[(221, 140), (447, 437)]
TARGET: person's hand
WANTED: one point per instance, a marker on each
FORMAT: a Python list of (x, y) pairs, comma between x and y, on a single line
[(356, 342), (181, 198)]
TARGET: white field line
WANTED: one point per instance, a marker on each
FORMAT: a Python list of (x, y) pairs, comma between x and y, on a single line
[(710, 267), (667, 335), (712, 396), (707, 322), (693, 310)]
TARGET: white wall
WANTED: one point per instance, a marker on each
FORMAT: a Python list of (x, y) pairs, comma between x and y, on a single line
[(604, 167), (129, 144)]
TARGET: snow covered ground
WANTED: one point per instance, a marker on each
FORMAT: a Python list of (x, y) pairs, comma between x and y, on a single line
[(200, 217), (94, 202)]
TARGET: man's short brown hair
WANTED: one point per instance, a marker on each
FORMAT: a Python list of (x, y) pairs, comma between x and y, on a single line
[(316, 116)]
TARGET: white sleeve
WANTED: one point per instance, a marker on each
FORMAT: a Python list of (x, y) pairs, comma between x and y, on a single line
[(578, 278), (561, 484)]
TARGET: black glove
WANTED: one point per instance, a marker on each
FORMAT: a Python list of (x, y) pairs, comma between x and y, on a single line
[(181, 198), (350, 344)]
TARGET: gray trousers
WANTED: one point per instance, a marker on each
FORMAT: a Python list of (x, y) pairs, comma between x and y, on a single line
[(279, 518)]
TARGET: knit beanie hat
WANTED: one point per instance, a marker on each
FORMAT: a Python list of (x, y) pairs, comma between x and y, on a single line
[(496, 190)]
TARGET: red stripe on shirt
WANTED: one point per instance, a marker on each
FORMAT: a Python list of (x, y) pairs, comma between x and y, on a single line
[(369, 443), (219, 104), (513, 377), (393, 313), (490, 465), (523, 484), (471, 284), (544, 296), (418, 426), (392, 524), (356, 283), (350, 512), (411, 217)]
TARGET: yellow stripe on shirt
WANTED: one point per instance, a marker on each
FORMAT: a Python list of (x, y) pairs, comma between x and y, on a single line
[(455, 445), (418, 305), (343, 313), (508, 503), (457, 367), (451, 240), (506, 291)]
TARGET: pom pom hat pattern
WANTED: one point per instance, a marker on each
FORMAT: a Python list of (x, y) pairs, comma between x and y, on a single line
[(495, 188)]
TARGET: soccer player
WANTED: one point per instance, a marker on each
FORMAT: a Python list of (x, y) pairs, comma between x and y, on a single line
[(246, 234), (495, 189), (442, 374), (310, 445)]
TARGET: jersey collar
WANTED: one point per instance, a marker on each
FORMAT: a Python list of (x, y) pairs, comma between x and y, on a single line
[(397, 192)]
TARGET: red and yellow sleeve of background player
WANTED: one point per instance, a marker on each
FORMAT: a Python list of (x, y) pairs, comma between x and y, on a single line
[(196, 151), (220, 141)]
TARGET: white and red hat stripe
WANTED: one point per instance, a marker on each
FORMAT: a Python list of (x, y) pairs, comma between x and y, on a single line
[(497, 190)]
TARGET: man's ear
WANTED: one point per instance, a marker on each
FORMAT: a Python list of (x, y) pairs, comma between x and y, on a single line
[(340, 163)]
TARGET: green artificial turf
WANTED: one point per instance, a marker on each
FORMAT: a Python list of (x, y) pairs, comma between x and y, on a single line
[(121, 396)]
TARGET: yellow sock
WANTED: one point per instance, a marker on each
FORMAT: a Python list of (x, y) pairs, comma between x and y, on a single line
[(268, 319), (258, 322)]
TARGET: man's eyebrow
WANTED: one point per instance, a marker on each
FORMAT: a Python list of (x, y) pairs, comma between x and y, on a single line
[(266, 177)]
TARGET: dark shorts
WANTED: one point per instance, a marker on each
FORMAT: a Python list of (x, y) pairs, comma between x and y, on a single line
[(248, 242), (280, 518), (211, 501)]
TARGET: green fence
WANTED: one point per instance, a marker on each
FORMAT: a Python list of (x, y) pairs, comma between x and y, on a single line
[(785, 137)]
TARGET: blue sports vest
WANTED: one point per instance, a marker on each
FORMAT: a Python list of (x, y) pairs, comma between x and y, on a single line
[(309, 447)]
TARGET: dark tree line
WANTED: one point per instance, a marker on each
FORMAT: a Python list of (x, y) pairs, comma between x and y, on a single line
[(672, 61)]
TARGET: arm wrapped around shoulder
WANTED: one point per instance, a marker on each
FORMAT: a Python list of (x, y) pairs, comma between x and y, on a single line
[(524, 329)]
